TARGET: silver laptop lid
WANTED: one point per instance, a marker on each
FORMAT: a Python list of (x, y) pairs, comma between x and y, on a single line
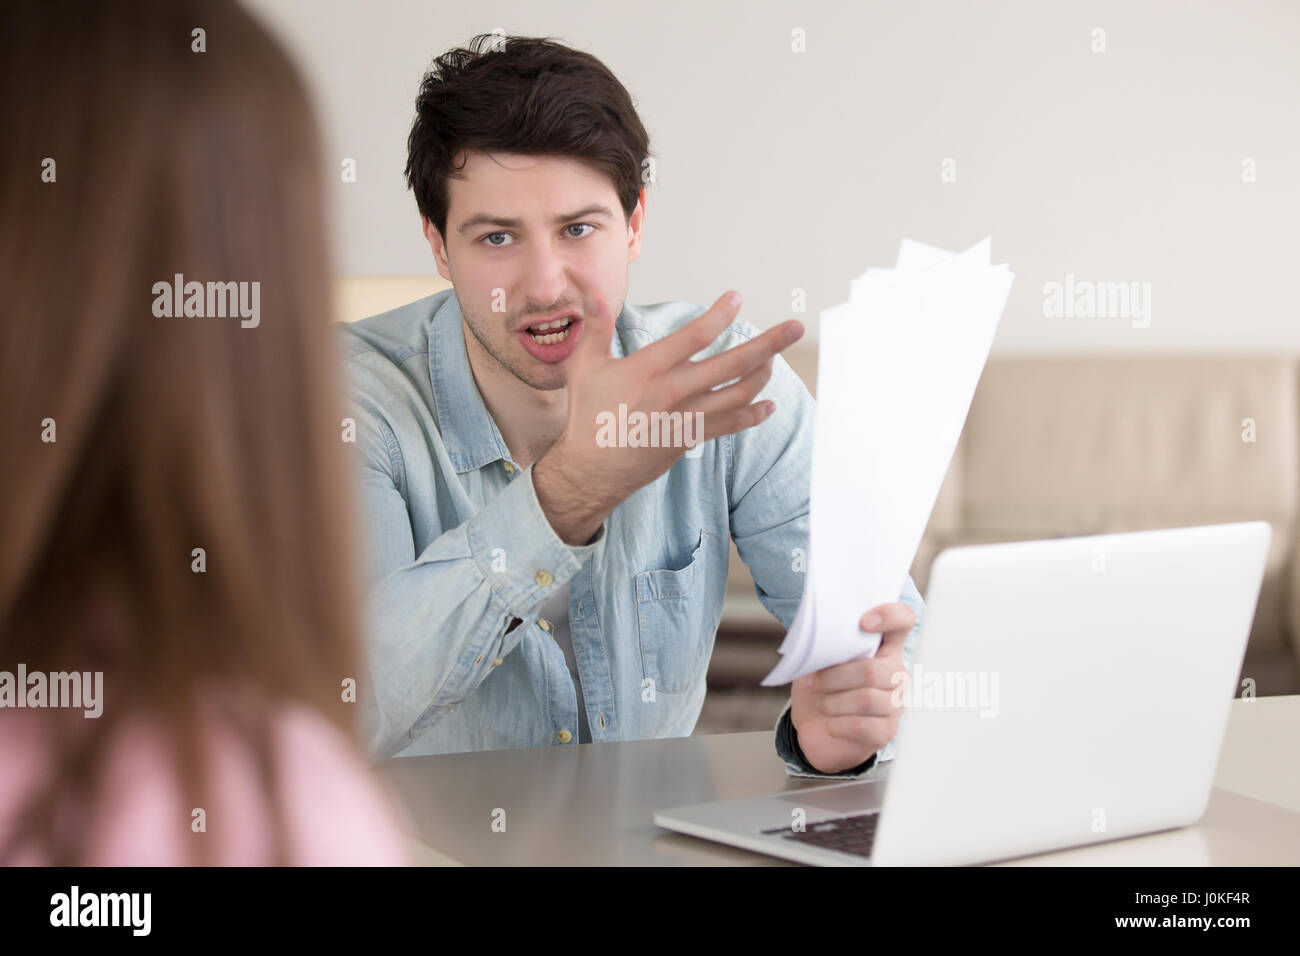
[(1069, 691)]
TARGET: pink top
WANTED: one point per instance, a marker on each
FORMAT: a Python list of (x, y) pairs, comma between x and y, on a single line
[(333, 807)]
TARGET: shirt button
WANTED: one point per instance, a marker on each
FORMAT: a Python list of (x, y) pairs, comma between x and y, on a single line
[(545, 578), (498, 662), (564, 736), (478, 660), (544, 624), (510, 469)]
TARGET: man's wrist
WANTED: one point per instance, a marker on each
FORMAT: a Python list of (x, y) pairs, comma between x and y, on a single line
[(803, 757), (575, 514)]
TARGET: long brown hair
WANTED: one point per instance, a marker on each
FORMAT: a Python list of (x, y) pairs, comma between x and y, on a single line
[(170, 434)]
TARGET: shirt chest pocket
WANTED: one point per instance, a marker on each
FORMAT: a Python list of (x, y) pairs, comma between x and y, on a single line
[(671, 618)]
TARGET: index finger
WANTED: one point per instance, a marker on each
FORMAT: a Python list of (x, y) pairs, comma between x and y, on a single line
[(736, 362), (694, 336), (851, 675)]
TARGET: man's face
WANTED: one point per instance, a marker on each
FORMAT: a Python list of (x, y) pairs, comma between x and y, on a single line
[(532, 240)]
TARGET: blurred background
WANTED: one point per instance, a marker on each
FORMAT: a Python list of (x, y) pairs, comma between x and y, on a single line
[(1153, 145)]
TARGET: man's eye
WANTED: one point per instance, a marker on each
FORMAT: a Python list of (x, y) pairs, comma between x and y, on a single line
[(580, 225), (490, 235)]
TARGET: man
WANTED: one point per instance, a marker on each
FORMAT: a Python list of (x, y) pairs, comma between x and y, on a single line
[(543, 570)]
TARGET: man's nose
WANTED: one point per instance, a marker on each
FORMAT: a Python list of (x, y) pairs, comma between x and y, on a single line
[(544, 278)]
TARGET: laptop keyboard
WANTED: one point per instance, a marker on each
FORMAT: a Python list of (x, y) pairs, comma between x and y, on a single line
[(853, 834)]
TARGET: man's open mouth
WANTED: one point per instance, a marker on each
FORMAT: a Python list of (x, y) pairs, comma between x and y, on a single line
[(551, 333)]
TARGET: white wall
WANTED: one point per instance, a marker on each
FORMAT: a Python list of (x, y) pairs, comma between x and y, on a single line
[(779, 169)]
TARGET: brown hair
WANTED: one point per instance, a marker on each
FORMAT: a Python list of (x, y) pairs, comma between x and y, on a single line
[(524, 95), (171, 434)]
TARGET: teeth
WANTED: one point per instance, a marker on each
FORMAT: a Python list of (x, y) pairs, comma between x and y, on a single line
[(550, 339), (557, 324)]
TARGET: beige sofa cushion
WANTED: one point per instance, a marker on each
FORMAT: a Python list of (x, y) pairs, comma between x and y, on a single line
[(1057, 446), (358, 297), (1084, 445)]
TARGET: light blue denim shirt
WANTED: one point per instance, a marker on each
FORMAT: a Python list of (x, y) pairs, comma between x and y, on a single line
[(458, 547)]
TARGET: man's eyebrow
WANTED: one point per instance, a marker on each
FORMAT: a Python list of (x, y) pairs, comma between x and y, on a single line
[(486, 219), (595, 209)]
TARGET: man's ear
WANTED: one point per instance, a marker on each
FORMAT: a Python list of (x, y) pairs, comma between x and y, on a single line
[(634, 224), (438, 246)]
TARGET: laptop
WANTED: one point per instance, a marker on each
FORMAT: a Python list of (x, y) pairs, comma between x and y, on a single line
[(1064, 692)]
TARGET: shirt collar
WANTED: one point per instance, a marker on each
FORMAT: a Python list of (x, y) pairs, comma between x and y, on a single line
[(469, 433)]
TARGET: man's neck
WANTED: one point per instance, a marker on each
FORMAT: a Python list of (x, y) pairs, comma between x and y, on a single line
[(530, 420)]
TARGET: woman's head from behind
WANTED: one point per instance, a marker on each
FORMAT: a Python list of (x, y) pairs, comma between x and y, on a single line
[(172, 493)]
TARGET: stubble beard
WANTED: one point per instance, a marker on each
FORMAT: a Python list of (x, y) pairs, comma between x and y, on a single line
[(503, 356)]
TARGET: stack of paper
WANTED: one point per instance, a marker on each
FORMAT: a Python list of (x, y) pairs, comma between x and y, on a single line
[(897, 368)]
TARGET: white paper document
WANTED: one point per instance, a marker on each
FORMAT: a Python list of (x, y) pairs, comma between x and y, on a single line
[(897, 368)]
